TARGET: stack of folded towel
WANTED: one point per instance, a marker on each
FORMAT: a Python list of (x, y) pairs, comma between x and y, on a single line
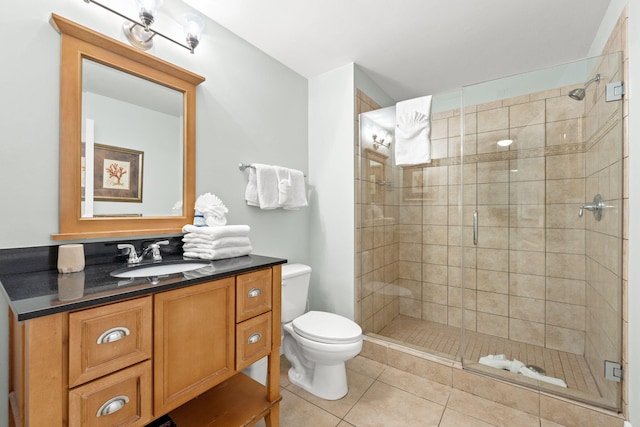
[(272, 187), (218, 242)]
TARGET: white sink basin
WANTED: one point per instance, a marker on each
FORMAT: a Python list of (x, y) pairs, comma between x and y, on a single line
[(158, 269)]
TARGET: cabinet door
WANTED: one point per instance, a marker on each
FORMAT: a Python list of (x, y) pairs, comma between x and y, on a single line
[(253, 340), (194, 342)]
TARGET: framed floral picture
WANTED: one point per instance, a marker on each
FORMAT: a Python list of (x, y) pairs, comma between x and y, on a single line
[(117, 174)]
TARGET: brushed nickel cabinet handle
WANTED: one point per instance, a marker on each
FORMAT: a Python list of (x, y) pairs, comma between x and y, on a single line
[(254, 338), (254, 292), (112, 335), (112, 405)]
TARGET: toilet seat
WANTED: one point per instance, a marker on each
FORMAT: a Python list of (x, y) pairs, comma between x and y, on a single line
[(326, 327)]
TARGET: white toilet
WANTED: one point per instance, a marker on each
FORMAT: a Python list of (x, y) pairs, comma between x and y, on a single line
[(317, 343)]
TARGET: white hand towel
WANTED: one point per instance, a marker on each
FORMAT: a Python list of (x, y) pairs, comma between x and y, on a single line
[(298, 191), (251, 192), (413, 131), (217, 232), (285, 192), (267, 184)]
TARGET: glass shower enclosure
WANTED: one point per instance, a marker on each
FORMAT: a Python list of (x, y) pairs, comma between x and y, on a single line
[(505, 251)]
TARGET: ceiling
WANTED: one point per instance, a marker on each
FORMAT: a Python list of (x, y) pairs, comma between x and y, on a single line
[(412, 48)]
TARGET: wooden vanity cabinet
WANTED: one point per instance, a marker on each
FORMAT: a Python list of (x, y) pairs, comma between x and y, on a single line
[(177, 352)]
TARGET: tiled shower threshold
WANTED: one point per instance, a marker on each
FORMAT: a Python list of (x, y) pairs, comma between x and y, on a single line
[(444, 341)]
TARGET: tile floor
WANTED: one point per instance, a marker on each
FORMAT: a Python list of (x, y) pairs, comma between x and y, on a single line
[(381, 395)]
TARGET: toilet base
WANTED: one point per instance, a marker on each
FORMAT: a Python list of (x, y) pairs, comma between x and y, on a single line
[(328, 382)]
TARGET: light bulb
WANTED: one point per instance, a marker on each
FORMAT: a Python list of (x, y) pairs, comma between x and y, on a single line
[(194, 25)]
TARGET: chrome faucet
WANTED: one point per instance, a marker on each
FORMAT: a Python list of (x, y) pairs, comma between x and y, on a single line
[(134, 258)]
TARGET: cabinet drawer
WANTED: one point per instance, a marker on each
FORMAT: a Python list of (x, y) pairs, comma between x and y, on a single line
[(120, 399), (253, 295), (108, 338), (253, 340)]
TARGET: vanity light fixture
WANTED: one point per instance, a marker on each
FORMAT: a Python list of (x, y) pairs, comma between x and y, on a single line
[(384, 141), (140, 34)]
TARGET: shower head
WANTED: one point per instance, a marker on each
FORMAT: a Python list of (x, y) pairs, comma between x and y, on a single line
[(578, 94)]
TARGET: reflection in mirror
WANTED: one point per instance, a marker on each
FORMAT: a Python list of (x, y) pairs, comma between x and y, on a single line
[(132, 137)]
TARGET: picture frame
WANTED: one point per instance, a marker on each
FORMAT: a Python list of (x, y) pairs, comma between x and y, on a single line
[(117, 174)]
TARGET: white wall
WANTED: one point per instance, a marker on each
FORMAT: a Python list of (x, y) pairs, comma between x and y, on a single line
[(331, 167), (251, 108)]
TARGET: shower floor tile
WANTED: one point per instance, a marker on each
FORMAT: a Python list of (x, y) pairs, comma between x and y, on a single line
[(444, 340)]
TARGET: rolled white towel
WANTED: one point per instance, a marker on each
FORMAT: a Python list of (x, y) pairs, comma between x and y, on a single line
[(218, 231)]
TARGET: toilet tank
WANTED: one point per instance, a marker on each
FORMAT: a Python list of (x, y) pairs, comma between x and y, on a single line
[(295, 289)]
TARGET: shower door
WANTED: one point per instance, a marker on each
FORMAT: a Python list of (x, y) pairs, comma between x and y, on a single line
[(542, 202)]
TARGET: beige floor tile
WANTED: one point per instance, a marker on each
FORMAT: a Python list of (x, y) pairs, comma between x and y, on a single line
[(358, 384), (365, 366), (383, 405), (490, 412), (547, 423), (453, 418), (296, 412), (421, 387), (345, 424)]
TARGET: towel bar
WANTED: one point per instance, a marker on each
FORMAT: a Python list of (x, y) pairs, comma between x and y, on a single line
[(243, 166)]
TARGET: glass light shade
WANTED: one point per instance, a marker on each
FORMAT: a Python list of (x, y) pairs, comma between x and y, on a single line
[(193, 28), (147, 10)]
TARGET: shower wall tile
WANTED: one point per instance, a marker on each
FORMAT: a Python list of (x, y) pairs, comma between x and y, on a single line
[(527, 193), (527, 215), (528, 169), (527, 114), (566, 191), (564, 132), (435, 254), (494, 303), (439, 127), (527, 137), (566, 266), (492, 324), (494, 119), (565, 166), (437, 294), (493, 281), (527, 331), (569, 340), (434, 312), (435, 215), (566, 315), (410, 270), (566, 290), (563, 216), (486, 142), (433, 273), (411, 307), (493, 194), (434, 234), (563, 108), (497, 171), (571, 241), (527, 309), (493, 259), (527, 285), (493, 237), (527, 239), (527, 262)]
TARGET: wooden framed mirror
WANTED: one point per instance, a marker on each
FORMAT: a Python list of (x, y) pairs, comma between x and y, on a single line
[(127, 139)]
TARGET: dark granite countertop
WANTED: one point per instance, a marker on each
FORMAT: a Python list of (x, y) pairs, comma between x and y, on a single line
[(40, 293)]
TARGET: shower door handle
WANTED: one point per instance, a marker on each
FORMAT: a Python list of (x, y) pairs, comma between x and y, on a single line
[(475, 227)]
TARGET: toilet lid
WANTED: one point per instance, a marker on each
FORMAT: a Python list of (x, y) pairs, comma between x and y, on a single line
[(327, 327)]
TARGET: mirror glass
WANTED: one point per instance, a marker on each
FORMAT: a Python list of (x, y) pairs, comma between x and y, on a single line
[(132, 145)]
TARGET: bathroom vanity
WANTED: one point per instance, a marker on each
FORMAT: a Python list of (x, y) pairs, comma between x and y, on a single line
[(102, 351)]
